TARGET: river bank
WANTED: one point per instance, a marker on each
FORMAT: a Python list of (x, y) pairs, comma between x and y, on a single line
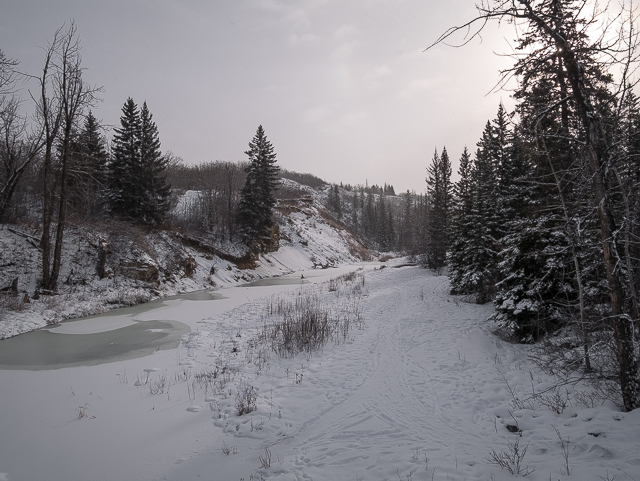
[(143, 265)]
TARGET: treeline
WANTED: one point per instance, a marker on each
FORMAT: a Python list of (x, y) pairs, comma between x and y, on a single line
[(545, 218), (411, 223), (56, 162), (386, 221), (58, 165)]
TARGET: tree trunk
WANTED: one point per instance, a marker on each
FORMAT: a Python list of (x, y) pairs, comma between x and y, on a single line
[(10, 185), (62, 209), (621, 321), (47, 201)]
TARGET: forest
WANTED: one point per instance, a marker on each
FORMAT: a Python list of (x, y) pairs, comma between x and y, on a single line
[(542, 219)]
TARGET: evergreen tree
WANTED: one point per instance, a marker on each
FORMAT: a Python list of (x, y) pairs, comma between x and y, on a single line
[(534, 261), (421, 227), (124, 169), (406, 230), (155, 201), (369, 215), (536, 286), (383, 227), (391, 231), (137, 183), (354, 211), (462, 228), (486, 214), (255, 209), (481, 212), (439, 189), (334, 201), (88, 180), (388, 189)]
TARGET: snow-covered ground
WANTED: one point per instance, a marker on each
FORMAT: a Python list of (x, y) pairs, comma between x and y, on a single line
[(419, 389)]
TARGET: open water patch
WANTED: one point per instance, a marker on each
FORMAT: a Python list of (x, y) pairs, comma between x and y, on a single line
[(45, 349), (276, 281)]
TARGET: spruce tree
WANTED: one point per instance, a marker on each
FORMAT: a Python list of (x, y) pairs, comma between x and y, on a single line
[(124, 168), (534, 262), (354, 211), (406, 228), (383, 227), (255, 209), (137, 183), (88, 180), (462, 227), (481, 212), (334, 201), (439, 189), (369, 215), (155, 202)]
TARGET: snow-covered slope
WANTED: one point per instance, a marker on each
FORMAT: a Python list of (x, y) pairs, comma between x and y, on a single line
[(146, 264)]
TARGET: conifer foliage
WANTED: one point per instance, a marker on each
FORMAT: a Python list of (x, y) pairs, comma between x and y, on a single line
[(439, 189), (462, 227), (88, 183), (558, 204), (257, 200), (137, 185)]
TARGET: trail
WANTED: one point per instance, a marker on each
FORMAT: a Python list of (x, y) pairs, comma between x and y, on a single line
[(403, 401), (417, 394)]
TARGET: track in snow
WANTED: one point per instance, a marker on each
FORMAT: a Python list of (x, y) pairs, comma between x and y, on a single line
[(403, 399)]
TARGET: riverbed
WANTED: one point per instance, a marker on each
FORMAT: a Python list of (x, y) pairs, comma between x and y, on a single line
[(139, 330)]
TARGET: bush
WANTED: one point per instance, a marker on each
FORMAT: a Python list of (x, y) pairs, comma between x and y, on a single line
[(246, 399)]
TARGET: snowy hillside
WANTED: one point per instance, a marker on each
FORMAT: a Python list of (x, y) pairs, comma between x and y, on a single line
[(144, 264)]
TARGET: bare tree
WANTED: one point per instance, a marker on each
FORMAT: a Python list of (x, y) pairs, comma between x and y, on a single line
[(63, 96), (233, 178), (18, 146), (561, 30)]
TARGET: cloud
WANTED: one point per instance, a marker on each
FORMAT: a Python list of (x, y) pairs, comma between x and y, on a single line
[(377, 73), (375, 77), (347, 122), (418, 86), (346, 50), (346, 31), (307, 38), (316, 114), (293, 15)]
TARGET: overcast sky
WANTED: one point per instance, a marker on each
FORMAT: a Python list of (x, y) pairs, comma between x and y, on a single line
[(343, 88)]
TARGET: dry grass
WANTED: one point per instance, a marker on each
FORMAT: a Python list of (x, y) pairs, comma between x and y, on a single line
[(307, 322)]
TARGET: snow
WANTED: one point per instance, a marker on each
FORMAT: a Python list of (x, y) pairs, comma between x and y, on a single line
[(306, 238), (420, 389)]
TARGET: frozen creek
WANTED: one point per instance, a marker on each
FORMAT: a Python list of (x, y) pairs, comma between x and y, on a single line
[(120, 334)]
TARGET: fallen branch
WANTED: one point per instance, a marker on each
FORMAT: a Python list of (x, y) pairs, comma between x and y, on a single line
[(34, 241)]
